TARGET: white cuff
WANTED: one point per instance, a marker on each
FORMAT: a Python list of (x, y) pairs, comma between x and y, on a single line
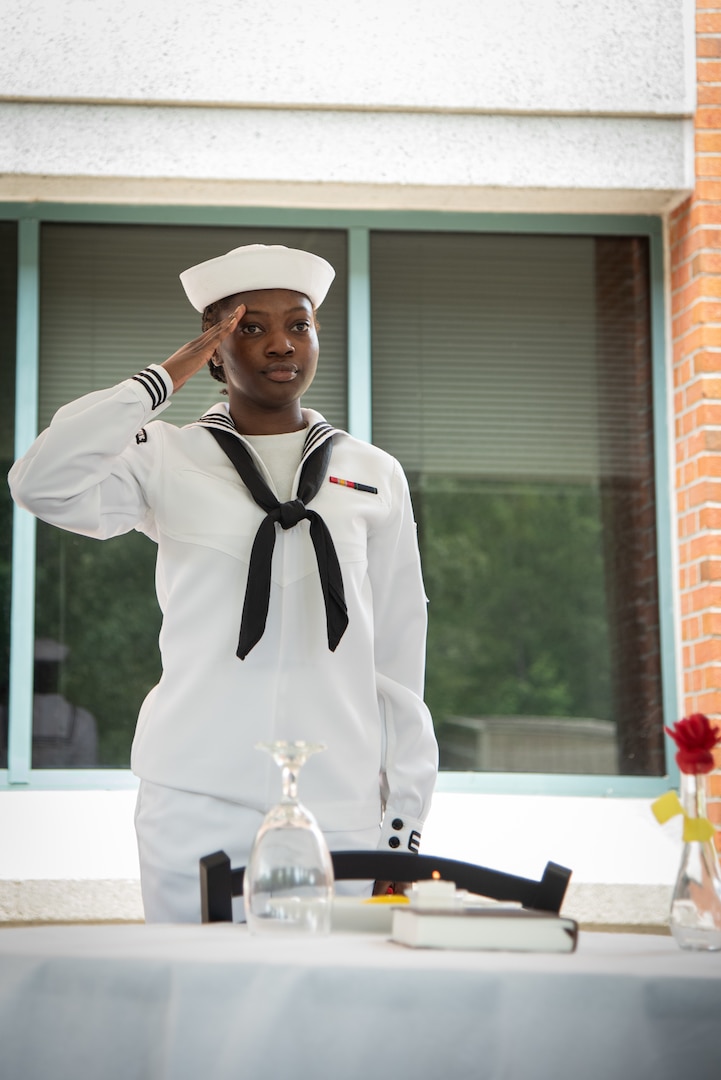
[(399, 832), (157, 382)]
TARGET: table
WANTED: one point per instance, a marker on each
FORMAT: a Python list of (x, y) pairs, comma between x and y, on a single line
[(134, 1002)]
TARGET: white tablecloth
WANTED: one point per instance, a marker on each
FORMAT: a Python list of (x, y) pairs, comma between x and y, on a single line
[(214, 1003)]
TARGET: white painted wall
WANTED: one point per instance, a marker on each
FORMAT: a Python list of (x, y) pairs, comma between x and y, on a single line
[(67, 835), (89, 835)]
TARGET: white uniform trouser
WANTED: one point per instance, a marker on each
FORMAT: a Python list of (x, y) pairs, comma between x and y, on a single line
[(176, 828)]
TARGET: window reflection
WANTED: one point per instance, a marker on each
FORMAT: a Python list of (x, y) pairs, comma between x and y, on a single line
[(64, 734), (512, 378), (98, 598)]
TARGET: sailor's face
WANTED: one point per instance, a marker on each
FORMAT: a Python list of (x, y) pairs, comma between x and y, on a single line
[(271, 357)]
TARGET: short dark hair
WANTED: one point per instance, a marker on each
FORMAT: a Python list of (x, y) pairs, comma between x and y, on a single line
[(211, 316)]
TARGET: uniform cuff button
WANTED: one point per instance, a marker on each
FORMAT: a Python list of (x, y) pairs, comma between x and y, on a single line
[(394, 842), (397, 824)]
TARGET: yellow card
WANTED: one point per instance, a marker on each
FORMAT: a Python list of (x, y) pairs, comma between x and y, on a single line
[(666, 807)]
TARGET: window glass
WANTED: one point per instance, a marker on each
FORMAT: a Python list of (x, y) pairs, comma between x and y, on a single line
[(111, 303), (512, 378), (8, 301)]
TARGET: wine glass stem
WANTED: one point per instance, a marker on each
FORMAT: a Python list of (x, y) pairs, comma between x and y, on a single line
[(290, 783)]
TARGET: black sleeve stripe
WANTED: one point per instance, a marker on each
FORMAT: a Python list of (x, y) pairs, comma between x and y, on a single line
[(154, 384)]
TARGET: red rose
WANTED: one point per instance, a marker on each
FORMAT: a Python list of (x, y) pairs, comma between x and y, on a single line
[(695, 738)]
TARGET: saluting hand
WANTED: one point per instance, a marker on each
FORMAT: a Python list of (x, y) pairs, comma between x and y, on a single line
[(190, 358)]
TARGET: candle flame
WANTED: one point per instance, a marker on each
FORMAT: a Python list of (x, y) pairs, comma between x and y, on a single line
[(436, 875)]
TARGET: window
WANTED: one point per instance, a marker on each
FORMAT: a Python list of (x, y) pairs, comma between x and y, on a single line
[(512, 377), (111, 303)]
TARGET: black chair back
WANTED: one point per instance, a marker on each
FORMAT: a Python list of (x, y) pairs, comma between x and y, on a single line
[(219, 882)]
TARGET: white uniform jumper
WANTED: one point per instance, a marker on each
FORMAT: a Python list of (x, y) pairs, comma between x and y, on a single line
[(100, 471)]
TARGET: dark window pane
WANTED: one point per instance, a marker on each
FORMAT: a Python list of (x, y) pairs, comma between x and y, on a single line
[(111, 303), (512, 377), (96, 649)]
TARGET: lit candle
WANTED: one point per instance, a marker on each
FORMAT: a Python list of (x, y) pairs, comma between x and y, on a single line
[(433, 893)]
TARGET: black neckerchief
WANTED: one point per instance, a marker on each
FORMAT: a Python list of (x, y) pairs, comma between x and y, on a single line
[(287, 514)]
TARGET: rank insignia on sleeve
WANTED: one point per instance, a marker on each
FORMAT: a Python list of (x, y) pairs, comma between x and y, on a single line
[(353, 484), (142, 436)]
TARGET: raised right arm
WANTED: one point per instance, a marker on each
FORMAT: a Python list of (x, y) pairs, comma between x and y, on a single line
[(85, 473)]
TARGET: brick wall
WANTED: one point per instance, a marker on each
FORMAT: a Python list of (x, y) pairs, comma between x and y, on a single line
[(695, 248), (628, 501)]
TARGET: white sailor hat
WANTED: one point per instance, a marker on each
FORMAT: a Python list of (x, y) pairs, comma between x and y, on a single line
[(258, 266)]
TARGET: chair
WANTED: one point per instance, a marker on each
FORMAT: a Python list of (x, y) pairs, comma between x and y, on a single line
[(219, 883)]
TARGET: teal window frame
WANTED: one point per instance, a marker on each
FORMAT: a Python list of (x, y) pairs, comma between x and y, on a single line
[(358, 224)]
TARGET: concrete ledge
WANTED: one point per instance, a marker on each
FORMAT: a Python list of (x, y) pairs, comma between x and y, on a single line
[(161, 191), (638, 908), (615, 907), (70, 901)]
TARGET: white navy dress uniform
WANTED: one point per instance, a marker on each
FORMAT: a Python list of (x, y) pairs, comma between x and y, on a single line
[(107, 465)]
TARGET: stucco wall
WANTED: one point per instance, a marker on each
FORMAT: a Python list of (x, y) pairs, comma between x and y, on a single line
[(537, 56), (479, 106)]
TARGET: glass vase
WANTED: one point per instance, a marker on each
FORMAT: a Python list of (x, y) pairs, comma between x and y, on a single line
[(695, 919)]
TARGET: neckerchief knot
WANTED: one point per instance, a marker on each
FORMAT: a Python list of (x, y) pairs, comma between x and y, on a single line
[(290, 513)]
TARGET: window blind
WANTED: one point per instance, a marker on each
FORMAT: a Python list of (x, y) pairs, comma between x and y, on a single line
[(111, 303), (491, 357), (8, 296)]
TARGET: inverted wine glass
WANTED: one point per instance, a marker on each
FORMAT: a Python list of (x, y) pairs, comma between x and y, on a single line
[(288, 884)]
